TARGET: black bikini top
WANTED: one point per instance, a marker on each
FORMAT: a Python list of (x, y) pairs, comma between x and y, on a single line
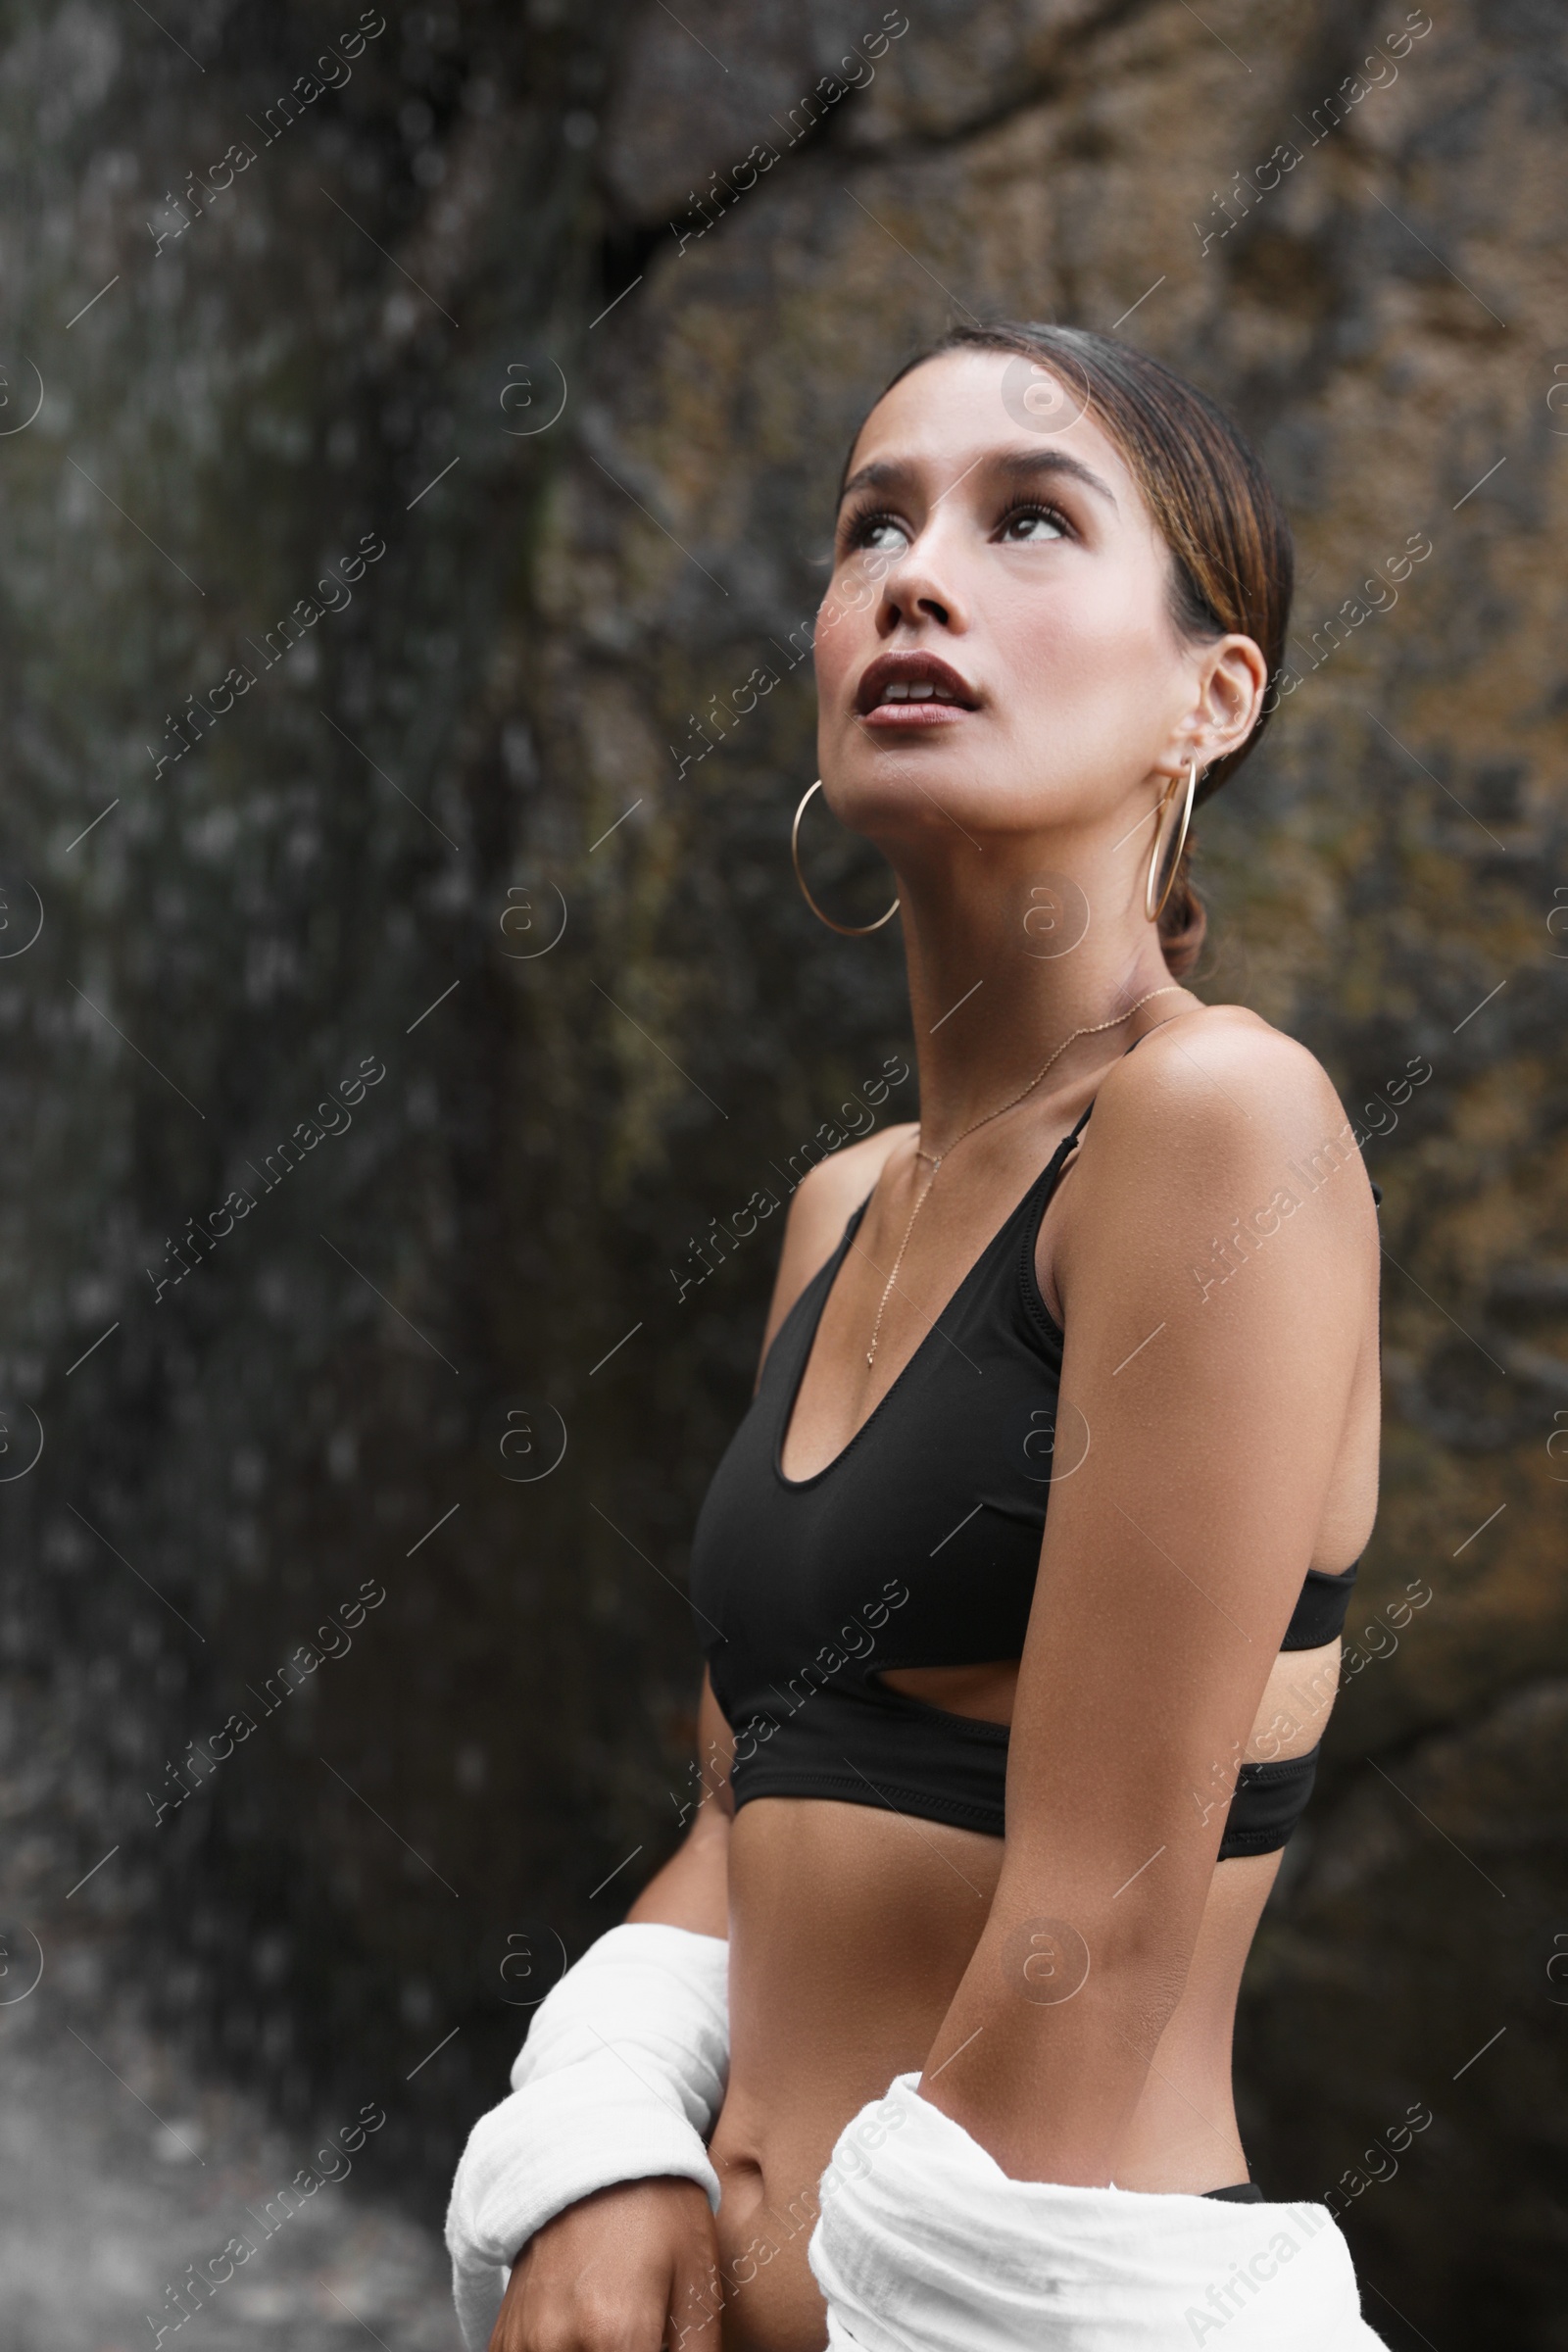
[(916, 1546)]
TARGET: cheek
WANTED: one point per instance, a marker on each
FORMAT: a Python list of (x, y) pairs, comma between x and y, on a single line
[(1085, 649), (844, 638), (1091, 618)]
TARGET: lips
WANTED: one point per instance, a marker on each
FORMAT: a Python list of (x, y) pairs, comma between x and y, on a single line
[(912, 689)]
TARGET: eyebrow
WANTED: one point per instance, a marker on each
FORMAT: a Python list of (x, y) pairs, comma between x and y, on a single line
[(1016, 465)]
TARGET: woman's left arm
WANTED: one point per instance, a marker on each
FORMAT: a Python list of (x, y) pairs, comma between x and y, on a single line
[(1217, 1276)]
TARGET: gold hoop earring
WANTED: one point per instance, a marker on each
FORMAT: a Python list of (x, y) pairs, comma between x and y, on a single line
[(847, 930), (1153, 909)]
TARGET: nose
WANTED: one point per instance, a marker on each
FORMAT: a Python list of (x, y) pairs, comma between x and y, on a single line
[(919, 588), (913, 605)]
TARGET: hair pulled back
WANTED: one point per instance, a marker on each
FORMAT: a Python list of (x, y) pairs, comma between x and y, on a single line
[(1232, 562)]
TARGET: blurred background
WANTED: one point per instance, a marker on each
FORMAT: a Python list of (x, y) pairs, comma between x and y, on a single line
[(426, 428)]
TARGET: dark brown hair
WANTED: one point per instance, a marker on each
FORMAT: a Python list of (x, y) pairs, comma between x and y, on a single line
[(1232, 561)]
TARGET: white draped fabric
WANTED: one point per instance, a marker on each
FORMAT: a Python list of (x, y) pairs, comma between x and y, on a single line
[(621, 2079), (925, 2244)]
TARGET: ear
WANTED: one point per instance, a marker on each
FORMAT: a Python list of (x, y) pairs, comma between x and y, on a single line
[(1231, 680)]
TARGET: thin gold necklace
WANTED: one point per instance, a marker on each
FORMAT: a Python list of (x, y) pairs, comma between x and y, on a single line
[(1173, 988)]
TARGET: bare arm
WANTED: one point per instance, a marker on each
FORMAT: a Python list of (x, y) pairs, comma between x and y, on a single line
[(634, 2267), (692, 1891), (1171, 1560)]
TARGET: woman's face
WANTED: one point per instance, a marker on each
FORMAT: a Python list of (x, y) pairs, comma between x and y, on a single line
[(996, 647)]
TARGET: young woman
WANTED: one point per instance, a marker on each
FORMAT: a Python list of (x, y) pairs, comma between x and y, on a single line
[(997, 1792)]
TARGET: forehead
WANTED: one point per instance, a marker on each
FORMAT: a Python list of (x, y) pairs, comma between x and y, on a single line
[(952, 413)]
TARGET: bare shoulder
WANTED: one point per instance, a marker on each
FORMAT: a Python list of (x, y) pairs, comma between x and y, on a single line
[(1217, 1120), (1219, 1080), (819, 1208)]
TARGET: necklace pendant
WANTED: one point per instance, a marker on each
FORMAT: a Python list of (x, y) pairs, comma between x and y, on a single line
[(870, 1356)]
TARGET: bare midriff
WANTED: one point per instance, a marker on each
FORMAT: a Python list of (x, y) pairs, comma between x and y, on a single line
[(850, 1930)]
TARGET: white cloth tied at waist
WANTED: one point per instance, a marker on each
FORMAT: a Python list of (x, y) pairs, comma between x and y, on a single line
[(925, 2244)]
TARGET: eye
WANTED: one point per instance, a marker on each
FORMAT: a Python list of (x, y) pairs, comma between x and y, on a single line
[(1030, 524), (1024, 525), (875, 528)]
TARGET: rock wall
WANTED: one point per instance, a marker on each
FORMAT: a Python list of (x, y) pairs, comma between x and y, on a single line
[(573, 318)]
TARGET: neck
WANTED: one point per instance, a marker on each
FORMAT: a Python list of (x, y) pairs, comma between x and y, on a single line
[(1004, 965)]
